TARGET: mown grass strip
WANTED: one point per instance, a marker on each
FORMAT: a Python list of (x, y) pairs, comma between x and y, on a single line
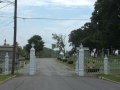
[(110, 77), (5, 77)]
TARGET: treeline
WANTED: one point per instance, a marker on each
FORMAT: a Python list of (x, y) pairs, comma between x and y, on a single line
[(103, 31)]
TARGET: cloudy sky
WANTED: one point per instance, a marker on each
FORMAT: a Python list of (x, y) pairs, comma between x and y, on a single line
[(58, 9)]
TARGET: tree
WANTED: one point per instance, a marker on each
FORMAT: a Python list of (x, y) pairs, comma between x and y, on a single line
[(39, 44), (60, 42), (106, 17)]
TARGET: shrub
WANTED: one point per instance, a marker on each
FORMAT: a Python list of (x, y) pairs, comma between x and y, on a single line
[(70, 62), (64, 60)]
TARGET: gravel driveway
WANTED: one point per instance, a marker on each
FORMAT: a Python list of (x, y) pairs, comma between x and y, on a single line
[(52, 75)]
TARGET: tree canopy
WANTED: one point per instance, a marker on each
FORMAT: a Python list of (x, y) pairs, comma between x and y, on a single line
[(60, 42), (39, 44), (104, 29)]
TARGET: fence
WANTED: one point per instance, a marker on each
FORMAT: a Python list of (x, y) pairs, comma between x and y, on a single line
[(93, 66), (114, 66), (90, 66), (97, 66)]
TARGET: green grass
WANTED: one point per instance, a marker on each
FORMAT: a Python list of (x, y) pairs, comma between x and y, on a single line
[(66, 63), (111, 58), (4, 77), (110, 77)]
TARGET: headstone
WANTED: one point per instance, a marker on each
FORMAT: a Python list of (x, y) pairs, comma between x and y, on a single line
[(118, 52), (103, 53), (108, 52)]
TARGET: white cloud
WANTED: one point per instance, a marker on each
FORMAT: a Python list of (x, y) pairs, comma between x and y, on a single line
[(56, 2)]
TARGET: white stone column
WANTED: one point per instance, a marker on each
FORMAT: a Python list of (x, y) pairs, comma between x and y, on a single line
[(77, 63), (32, 60), (106, 65), (81, 61), (35, 64), (6, 72)]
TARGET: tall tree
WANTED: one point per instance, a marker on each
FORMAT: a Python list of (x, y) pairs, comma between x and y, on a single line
[(60, 42), (106, 17), (39, 44)]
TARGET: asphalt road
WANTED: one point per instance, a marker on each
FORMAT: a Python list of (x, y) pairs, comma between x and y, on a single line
[(55, 76)]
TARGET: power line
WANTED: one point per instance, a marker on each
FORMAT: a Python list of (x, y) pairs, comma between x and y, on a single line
[(6, 24), (6, 16), (6, 1), (5, 27), (5, 21), (51, 18), (5, 5)]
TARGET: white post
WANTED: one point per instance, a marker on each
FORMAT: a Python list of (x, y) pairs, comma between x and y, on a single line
[(81, 61), (35, 64), (106, 65), (77, 63), (6, 72), (32, 60)]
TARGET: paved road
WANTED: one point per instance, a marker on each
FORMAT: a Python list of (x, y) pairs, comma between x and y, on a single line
[(55, 76)]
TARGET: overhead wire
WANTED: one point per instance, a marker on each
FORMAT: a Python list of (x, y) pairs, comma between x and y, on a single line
[(5, 26), (5, 5), (51, 18), (5, 21)]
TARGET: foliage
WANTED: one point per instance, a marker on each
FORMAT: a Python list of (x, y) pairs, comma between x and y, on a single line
[(20, 51), (39, 44), (103, 30), (60, 42)]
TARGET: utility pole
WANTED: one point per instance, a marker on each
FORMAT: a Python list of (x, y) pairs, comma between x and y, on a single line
[(14, 42)]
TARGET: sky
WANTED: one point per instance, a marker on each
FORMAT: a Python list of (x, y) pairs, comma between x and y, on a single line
[(57, 9)]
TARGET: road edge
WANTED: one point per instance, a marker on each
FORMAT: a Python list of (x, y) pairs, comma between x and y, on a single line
[(8, 79)]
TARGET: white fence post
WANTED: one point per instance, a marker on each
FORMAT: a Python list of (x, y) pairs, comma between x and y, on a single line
[(106, 65), (32, 60), (6, 72), (81, 61)]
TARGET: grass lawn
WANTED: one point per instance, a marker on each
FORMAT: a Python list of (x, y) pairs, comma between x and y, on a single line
[(66, 63), (5, 77), (111, 58), (110, 77)]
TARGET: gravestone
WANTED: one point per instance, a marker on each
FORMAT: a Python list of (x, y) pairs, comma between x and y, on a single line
[(118, 52)]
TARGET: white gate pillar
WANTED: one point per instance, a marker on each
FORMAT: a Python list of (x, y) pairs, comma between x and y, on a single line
[(77, 63), (81, 61), (6, 70), (106, 65), (32, 60)]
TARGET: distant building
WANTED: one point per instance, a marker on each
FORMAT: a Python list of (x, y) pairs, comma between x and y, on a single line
[(86, 51), (6, 48)]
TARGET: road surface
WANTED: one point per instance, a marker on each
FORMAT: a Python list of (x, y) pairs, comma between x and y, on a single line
[(52, 75)]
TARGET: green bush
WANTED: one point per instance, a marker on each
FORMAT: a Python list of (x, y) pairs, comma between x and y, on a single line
[(70, 62), (64, 60)]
